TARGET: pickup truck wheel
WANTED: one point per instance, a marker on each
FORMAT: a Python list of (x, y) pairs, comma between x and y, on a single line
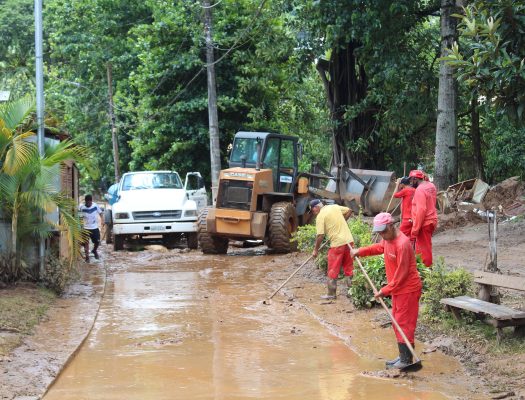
[(193, 240), (118, 242), (283, 222), (170, 240), (210, 244), (109, 234)]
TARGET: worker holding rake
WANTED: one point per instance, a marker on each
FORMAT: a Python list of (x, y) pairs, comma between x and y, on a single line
[(424, 215), (406, 194), (403, 282), (331, 221)]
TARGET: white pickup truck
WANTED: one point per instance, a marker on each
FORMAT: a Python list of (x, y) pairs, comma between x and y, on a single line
[(156, 203)]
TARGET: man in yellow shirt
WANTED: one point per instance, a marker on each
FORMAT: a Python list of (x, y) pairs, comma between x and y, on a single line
[(331, 221)]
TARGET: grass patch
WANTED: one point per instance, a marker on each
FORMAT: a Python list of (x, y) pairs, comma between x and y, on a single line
[(478, 335), (21, 308)]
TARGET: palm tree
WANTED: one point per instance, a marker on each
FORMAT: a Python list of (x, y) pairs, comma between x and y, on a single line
[(26, 184)]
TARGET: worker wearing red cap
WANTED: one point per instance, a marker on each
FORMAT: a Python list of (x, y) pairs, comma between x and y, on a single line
[(406, 194), (424, 215), (403, 282), (331, 221)]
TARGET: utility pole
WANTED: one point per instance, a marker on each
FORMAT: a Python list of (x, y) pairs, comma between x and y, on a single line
[(39, 66), (215, 149), (111, 111)]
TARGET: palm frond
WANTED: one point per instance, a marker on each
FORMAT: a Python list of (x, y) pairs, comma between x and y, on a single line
[(69, 150), (20, 154), (17, 113)]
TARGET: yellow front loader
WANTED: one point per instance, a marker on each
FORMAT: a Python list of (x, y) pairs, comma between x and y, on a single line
[(263, 196)]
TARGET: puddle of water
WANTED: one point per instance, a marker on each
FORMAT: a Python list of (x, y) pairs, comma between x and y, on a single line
[(197, 330)]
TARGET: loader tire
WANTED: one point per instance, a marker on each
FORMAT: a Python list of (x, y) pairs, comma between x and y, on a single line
[(192, 240), (282, 224), (210, 244)]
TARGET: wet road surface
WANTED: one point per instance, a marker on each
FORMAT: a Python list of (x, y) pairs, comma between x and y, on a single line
[(188, 326)]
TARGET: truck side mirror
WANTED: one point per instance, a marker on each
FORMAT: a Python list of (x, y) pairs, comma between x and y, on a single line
[(299, 151)]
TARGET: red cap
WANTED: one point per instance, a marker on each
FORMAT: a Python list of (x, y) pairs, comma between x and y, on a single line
[(416, 173)]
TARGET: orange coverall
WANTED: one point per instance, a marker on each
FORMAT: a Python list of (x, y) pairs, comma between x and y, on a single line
[(424, 220)]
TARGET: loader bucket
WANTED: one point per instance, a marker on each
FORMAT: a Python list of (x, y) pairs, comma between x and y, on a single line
[(367, 189)]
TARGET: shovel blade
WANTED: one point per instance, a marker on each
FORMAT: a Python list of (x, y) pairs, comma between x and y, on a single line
[(414, 367)]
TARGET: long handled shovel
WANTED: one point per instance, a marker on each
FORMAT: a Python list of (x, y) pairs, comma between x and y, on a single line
[(267, 301), (416, 365)]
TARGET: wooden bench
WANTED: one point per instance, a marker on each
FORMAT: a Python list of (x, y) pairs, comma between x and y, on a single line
[(497, 315)]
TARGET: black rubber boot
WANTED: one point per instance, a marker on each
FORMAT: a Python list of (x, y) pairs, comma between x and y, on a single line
[(389, 363), (405, 357), (332, 290), (348, 285)]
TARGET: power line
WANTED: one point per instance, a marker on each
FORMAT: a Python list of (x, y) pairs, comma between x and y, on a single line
[(213, 5), (249, 28)]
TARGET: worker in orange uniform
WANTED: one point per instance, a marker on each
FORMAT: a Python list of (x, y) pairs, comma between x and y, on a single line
[(424, 215), (403, 282), (406, 194), (331, 220)]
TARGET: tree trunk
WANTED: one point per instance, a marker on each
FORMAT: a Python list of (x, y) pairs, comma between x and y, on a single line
[(346, 85), (446, 164), (215, 149), (475, 135), (14, 235), (111, 113)]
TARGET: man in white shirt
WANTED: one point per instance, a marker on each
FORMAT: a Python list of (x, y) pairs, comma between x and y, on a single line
[(88, 213)]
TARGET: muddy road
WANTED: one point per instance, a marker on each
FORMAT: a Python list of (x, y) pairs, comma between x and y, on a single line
[(177, 324)]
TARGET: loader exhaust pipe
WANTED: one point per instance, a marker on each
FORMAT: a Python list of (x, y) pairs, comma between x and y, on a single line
[(258, 162)]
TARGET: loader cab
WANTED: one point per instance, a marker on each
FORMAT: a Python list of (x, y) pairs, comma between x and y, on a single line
[(278, 153)]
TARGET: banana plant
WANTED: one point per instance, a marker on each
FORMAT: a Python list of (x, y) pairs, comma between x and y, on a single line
[(26, 190)]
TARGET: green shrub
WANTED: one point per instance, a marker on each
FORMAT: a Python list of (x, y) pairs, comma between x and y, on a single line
[(440, 282), (361, 293)]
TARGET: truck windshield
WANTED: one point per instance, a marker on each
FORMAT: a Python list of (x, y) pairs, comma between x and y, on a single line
[(154, 180), (244, 147)]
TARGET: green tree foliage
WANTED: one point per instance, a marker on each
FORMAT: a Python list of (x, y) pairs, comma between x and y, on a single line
[(377, 60), (17, 56), (158, 52), (257, 80), (489, 63), (492, 54), (83, 37)]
